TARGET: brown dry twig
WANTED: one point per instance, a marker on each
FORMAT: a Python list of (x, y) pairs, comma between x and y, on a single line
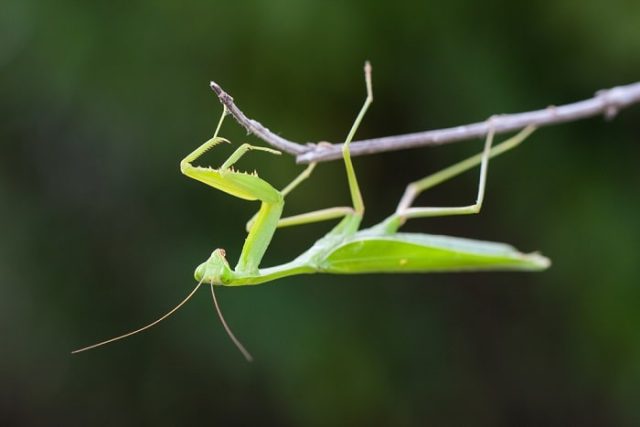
[(606, 102)]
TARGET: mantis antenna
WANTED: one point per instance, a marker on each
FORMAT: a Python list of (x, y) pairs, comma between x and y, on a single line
[(128, 334), (235, 340)]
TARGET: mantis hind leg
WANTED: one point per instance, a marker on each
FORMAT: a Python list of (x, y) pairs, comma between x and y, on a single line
[(405, 211)]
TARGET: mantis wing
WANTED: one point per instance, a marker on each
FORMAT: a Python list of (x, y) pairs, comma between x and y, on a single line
[(410, 252)]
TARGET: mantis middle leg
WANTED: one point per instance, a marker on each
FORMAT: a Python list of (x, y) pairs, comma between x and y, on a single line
[(308, 217), (341, 211)]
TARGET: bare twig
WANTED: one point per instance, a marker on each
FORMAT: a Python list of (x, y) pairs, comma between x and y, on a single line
[(607, 102), (256, 127)]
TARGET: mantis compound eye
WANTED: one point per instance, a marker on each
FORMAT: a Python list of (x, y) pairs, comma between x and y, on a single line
[(199, 273), (219, 256)]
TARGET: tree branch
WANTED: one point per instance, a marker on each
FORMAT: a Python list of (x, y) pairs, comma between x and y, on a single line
[(607, 102), (255, 127)]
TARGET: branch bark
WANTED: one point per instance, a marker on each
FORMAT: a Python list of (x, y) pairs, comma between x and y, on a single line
[(607, 102)]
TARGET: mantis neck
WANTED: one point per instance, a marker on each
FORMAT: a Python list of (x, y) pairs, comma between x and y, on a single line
[(292, 268)]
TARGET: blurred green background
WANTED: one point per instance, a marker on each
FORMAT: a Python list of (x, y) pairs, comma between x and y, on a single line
[(100, 233)]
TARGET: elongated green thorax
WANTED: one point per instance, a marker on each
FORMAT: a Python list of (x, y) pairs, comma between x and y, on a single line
[(259, 237)]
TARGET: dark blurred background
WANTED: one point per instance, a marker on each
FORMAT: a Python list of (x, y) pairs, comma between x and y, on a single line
[(101, 233)]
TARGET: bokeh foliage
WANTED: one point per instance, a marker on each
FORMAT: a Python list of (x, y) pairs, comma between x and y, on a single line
[(99, 102)]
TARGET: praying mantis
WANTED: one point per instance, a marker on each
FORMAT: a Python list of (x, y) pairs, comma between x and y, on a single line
[(346, 249)]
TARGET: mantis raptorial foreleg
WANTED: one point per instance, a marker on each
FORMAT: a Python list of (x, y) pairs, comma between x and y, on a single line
[(208, 145), (244, 186), (241, 151), (404, 210), (215, 140)]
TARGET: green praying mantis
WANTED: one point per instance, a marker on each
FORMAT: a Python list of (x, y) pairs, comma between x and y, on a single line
[(346, 249)]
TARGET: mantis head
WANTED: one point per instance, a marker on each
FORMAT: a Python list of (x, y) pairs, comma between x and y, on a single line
[(215, 270)]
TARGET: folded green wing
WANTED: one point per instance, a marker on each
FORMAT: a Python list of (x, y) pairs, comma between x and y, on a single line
[(409, 252)]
